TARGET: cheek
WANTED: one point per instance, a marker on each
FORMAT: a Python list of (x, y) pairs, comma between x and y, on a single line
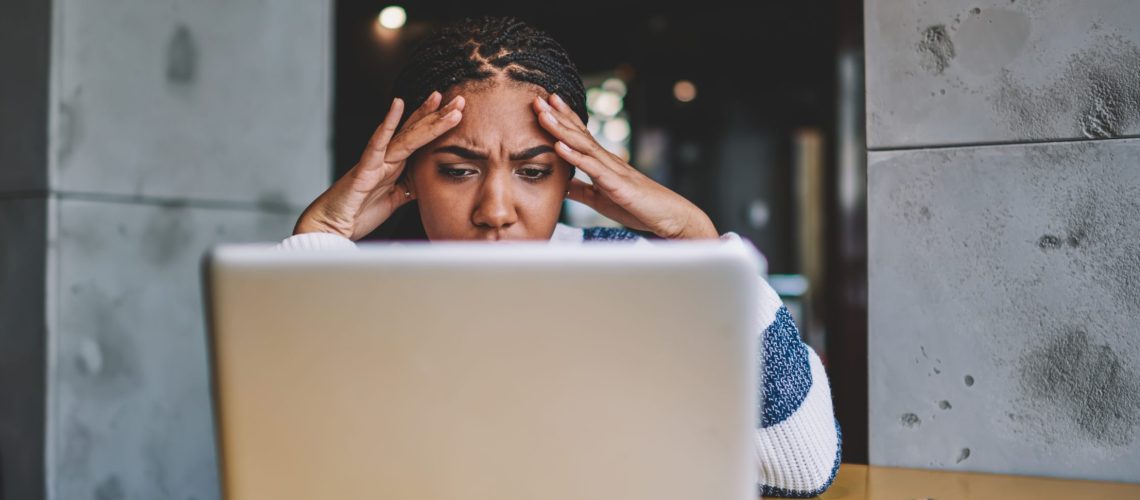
[(542, 202), (441, 203), (445, 204)]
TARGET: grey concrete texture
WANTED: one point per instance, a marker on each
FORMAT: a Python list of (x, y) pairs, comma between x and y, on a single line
[(203, 100), (23, 340), (1004, 304), (943, 72), (25, 36), (130, 415)]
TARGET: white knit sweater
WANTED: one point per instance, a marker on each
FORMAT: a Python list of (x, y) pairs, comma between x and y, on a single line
[(798, 441)]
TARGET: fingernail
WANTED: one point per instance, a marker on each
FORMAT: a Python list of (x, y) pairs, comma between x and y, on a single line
[(559, 99), (544, 104), (563, 146)]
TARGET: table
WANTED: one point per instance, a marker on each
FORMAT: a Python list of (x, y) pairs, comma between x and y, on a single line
[(862, 482)]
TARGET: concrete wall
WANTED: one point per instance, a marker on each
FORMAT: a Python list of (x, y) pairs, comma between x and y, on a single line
[(1004, 228), (171, 126)]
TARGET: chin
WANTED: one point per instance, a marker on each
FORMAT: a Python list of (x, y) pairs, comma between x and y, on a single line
[(473, 233)]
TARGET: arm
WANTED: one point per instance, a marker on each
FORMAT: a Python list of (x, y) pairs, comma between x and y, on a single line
[(799, 442)]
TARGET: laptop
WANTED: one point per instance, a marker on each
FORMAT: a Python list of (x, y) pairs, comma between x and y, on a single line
[(480, 371)]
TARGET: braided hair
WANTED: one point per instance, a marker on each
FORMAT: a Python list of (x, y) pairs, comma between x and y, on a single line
[(475, 50)]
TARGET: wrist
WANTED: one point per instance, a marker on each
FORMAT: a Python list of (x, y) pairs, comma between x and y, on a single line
[(697, 227), (307, 224)]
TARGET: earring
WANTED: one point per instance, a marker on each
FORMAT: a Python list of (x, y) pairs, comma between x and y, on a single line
[(407, 194)]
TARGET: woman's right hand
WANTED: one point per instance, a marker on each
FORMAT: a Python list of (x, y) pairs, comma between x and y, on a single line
[(368, 194)]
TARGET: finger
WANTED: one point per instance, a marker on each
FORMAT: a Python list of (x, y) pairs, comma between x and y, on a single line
[(583, 192), (578, 140), (583, 141), (565, 109), (376, 212), (430, 104), (594, 198), (431, 108), (374, 153), (593, 167), (414, 130), (540, 104), (424, 131)]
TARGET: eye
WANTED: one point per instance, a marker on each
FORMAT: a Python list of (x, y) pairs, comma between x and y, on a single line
[(533, 172), (457, 173)]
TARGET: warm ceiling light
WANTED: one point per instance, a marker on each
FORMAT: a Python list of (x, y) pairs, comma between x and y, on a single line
[(392, 17)]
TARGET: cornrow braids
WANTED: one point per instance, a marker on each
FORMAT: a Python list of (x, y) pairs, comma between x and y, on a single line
[(477, 49)]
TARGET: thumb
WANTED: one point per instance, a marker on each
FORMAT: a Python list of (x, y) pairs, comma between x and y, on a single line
[(374, 213), (585, 193), (595, 198)]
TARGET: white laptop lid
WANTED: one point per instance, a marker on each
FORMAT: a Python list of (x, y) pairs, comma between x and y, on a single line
[(486, 371)]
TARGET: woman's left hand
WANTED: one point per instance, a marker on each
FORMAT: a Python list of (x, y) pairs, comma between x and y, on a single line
[(619, 190)]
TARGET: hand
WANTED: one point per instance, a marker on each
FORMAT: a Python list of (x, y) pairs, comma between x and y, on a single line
[(619, 191), (368, 194)]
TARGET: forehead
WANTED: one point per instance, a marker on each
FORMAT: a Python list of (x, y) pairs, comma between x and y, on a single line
[(498, 116)]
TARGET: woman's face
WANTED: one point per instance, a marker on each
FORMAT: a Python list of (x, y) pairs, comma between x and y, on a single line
[(495, 175)]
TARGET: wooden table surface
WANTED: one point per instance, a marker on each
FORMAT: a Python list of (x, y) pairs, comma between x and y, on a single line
[(861, 482)]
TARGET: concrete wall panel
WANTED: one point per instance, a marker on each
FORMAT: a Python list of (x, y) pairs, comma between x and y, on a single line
[(1004, 304), (131, 415), (203, 100), (995, 71)]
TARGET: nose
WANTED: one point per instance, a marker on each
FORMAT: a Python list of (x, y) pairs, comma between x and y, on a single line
[(494, 207)]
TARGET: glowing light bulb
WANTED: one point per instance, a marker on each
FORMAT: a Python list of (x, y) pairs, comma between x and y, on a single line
[(392, 17)]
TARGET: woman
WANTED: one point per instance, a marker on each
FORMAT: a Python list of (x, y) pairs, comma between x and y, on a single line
[(489, 153)]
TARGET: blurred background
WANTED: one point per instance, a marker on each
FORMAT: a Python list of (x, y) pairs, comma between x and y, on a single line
[(968, 165)]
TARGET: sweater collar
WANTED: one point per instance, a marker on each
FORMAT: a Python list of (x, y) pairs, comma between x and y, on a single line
[(566, 234)]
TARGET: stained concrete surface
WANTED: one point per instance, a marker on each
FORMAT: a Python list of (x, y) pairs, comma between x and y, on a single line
[(131, 411), (204, 100), (1004, 303), (994, 71)]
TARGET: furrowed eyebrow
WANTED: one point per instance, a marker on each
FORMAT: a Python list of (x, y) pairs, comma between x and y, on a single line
[(469, 154), (529, 153)]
